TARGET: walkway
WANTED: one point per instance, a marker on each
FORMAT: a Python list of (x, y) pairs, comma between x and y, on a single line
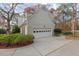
[(49, 46)]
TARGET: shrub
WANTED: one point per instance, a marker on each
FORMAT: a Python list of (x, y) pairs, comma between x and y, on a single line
[(2, 31), (15, 38), (30, 36), (57, 31), (67, 33), (7, 38), (4, 38), (16, 29), (20, 38), (24, 38)]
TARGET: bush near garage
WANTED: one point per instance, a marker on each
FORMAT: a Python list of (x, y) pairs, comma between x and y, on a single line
[(57, 31)]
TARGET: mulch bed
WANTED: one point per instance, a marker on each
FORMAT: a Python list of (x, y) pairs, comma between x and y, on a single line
[(17, 45)]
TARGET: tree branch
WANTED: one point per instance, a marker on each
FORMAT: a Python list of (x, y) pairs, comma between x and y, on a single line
[(2, 10), (3, 16)]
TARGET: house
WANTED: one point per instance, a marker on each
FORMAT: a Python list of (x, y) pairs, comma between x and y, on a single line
[(3, 23), (39, 23)]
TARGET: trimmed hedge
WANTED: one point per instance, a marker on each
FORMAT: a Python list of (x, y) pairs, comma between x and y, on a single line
[(67, 33), (15, 38)]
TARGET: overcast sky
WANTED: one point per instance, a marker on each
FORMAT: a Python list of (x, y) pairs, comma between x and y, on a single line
[(20, 8)]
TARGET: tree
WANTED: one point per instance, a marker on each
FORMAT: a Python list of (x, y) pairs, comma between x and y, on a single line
[(64, 15), (7, 11), (55, 15), (74, 17), (65, 11)]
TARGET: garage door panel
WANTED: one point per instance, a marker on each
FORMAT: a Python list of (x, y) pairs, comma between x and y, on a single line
[(39, 35), (42, 34)]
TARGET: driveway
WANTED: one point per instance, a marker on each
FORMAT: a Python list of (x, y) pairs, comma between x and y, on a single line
[(50, 46)]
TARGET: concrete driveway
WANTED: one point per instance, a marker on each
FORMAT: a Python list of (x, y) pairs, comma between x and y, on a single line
[(50, 46)]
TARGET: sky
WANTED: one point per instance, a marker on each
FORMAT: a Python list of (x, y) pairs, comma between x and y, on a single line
[(20, 8)]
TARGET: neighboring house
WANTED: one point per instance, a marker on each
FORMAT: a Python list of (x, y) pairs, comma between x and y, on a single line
[(39, 23), (3, 23)]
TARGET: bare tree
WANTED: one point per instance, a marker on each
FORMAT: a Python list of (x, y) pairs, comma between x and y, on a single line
[(74, 17), (7, 11)]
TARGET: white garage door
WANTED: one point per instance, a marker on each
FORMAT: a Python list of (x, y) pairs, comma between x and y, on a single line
[(39, 33)]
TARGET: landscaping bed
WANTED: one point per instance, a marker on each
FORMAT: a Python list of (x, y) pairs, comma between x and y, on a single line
[(72, 37), (15, 40)]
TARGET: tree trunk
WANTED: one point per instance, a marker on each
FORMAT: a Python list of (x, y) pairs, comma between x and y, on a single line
[(8, 27), (74, 18), (8, 31)]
